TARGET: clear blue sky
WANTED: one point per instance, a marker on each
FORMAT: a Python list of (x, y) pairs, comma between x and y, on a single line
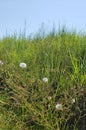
[(14, 13)]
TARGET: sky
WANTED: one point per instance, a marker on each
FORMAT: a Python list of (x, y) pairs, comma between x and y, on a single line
[(17, 16)]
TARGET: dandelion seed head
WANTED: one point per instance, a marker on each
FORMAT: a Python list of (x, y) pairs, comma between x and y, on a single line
[(58, 106), (73, 100), (45, 80), (1, 63), (23, 65)]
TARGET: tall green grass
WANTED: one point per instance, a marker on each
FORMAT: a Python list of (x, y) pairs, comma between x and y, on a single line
[(28, 103)]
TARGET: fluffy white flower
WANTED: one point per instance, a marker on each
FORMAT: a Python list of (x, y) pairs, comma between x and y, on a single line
[(1, 63), (58, 106), (23, 65), (45, 80), (73, 100)]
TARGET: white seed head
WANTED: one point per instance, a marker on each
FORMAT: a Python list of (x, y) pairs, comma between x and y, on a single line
[(58, 106), (73, 100), (45, 80), (23, 65), (1, 63)]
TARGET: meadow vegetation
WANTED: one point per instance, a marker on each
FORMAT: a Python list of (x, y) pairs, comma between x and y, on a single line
[(49, 93)]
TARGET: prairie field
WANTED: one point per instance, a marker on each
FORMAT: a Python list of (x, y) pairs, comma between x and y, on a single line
[(43, 82)]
